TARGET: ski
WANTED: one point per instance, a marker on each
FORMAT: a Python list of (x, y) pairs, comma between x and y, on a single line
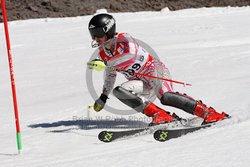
[(163, 135), (109, 136), (161, 132)]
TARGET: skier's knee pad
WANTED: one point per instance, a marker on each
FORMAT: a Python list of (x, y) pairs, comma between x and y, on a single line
[(179, 101), (133, 85), (129, 99)]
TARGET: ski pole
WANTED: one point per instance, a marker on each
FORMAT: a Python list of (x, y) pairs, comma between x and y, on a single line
[(99, 65), (160, 78), (90, 106)]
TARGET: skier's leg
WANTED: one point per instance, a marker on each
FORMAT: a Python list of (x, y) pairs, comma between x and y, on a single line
[(164, 92), (188, 104), (132, 94), (128, 96)]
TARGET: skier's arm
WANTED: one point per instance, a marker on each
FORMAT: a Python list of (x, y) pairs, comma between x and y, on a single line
[(109, 82), (110, 77)]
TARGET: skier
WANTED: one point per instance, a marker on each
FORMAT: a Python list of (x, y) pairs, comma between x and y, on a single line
[(121, 51)]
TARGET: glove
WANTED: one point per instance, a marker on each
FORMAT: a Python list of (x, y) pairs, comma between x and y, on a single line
[(100, 103)]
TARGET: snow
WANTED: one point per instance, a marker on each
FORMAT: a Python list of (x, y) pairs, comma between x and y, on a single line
[(209, 48)]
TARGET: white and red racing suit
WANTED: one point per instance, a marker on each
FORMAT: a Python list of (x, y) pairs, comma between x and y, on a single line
[(123, 53)]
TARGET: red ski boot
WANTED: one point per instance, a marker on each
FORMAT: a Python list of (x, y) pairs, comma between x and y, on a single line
[(208, 113), (159, 115)]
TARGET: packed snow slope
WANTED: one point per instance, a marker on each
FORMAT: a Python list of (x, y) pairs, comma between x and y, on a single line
[(209, 48)]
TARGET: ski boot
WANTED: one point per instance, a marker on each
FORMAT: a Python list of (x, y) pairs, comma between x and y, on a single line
[(209, 114), (159, 115)]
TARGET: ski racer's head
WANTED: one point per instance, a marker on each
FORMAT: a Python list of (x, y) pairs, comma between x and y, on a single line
[(102, 27)]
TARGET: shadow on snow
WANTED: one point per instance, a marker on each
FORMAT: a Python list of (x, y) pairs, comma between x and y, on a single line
[(91, 124)]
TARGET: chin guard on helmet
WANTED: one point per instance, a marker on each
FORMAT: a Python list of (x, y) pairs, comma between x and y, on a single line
[(94, 44)]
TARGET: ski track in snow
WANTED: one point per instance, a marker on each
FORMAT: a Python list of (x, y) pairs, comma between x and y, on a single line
[(208, 48)]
